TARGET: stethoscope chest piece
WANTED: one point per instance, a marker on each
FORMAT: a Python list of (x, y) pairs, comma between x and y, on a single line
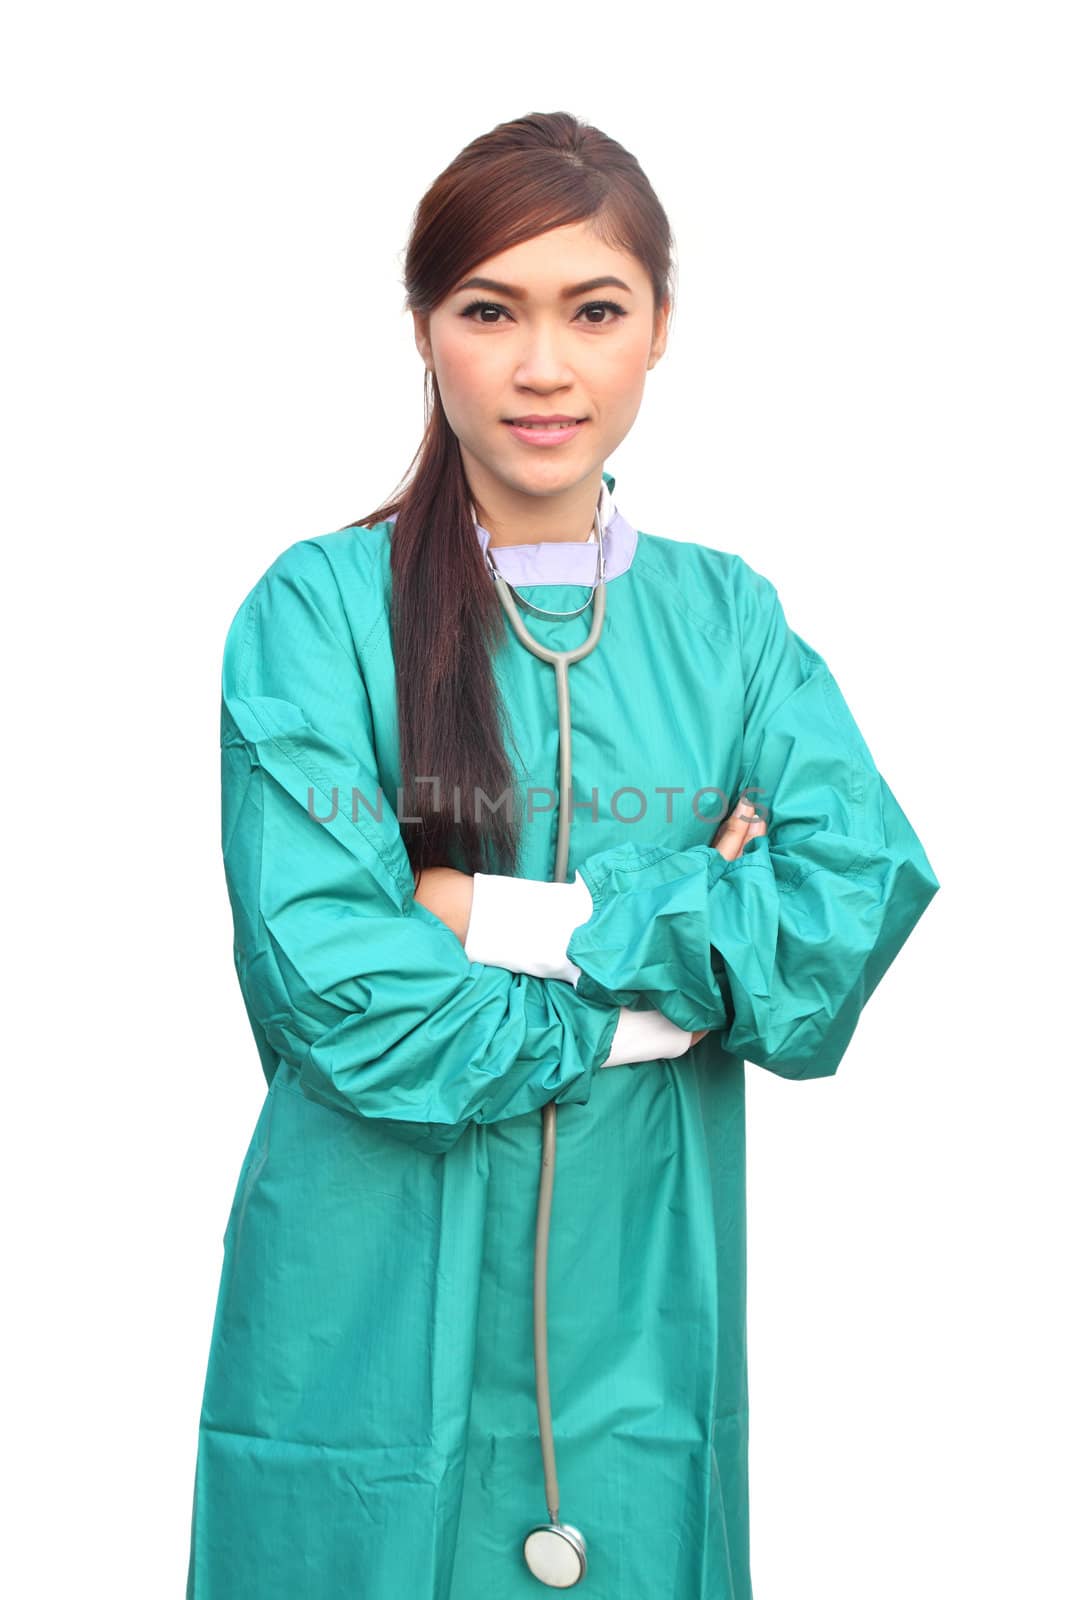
[(555, 1554)]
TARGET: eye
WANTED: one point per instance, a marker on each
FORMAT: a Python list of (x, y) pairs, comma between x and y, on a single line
[(604, 305), (482, 305), (477, 306)]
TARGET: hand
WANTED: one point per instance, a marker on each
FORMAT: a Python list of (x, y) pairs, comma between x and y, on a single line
[(448, 893), (740, 826)]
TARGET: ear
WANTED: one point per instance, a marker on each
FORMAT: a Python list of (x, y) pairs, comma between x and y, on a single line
[(421, 324), (659, 334)]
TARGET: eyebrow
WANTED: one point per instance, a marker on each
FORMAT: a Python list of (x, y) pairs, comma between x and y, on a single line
[(564, 294)]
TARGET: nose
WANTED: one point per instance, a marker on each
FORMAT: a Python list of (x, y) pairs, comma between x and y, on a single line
[(543, 363)]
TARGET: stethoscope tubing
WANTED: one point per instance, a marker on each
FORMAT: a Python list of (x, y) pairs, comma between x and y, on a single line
[(561, 660)]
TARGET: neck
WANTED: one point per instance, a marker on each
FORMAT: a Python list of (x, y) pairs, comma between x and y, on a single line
[(510, 517)]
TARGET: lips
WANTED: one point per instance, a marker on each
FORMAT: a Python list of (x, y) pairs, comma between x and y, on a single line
[(544, 431)]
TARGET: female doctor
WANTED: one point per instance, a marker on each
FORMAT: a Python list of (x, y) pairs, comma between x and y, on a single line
[(514, 792)]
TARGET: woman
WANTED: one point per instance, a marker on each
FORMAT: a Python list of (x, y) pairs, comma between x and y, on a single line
[(419, 987)]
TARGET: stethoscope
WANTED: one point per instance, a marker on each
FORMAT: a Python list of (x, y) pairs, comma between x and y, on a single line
[(555, 1551)]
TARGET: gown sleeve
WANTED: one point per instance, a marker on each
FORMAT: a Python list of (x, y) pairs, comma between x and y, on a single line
[(368, 997), (780, 949)]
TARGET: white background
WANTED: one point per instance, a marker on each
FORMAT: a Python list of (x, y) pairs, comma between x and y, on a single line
[(206, 359)]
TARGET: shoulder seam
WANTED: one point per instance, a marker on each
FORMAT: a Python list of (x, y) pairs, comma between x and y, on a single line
[(361, 646), (708, 624)]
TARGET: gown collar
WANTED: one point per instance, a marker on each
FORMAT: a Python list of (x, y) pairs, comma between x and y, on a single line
[(566, 561)]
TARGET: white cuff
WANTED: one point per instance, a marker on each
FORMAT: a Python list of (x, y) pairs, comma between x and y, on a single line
[(646, 1036), (526, 925)]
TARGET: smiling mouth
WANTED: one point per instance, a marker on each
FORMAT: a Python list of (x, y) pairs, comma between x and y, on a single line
[(521, 422)]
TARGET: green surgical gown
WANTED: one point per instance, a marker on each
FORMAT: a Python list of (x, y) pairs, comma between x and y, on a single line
[(369, 1423)]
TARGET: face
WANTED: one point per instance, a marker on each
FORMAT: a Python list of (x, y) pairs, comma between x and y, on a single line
[(523, 343)]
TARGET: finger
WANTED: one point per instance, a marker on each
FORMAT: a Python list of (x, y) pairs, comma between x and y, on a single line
[(734, 833), (757, 823)]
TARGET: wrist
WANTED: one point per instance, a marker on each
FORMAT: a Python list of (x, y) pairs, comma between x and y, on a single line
[(447, 892), (464, 900)]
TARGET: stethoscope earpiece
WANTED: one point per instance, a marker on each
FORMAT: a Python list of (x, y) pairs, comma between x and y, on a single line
[(555, 1554)]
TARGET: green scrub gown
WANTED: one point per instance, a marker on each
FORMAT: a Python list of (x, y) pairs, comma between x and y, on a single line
[(369, 1423)]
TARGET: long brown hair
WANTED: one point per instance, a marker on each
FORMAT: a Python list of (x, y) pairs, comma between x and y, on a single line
[(542, 171)]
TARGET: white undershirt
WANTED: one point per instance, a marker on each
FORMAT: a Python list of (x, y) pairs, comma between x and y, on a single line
[(525, 925)]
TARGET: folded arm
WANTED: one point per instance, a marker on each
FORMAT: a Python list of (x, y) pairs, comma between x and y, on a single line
[(368, 996), (780, 948)]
